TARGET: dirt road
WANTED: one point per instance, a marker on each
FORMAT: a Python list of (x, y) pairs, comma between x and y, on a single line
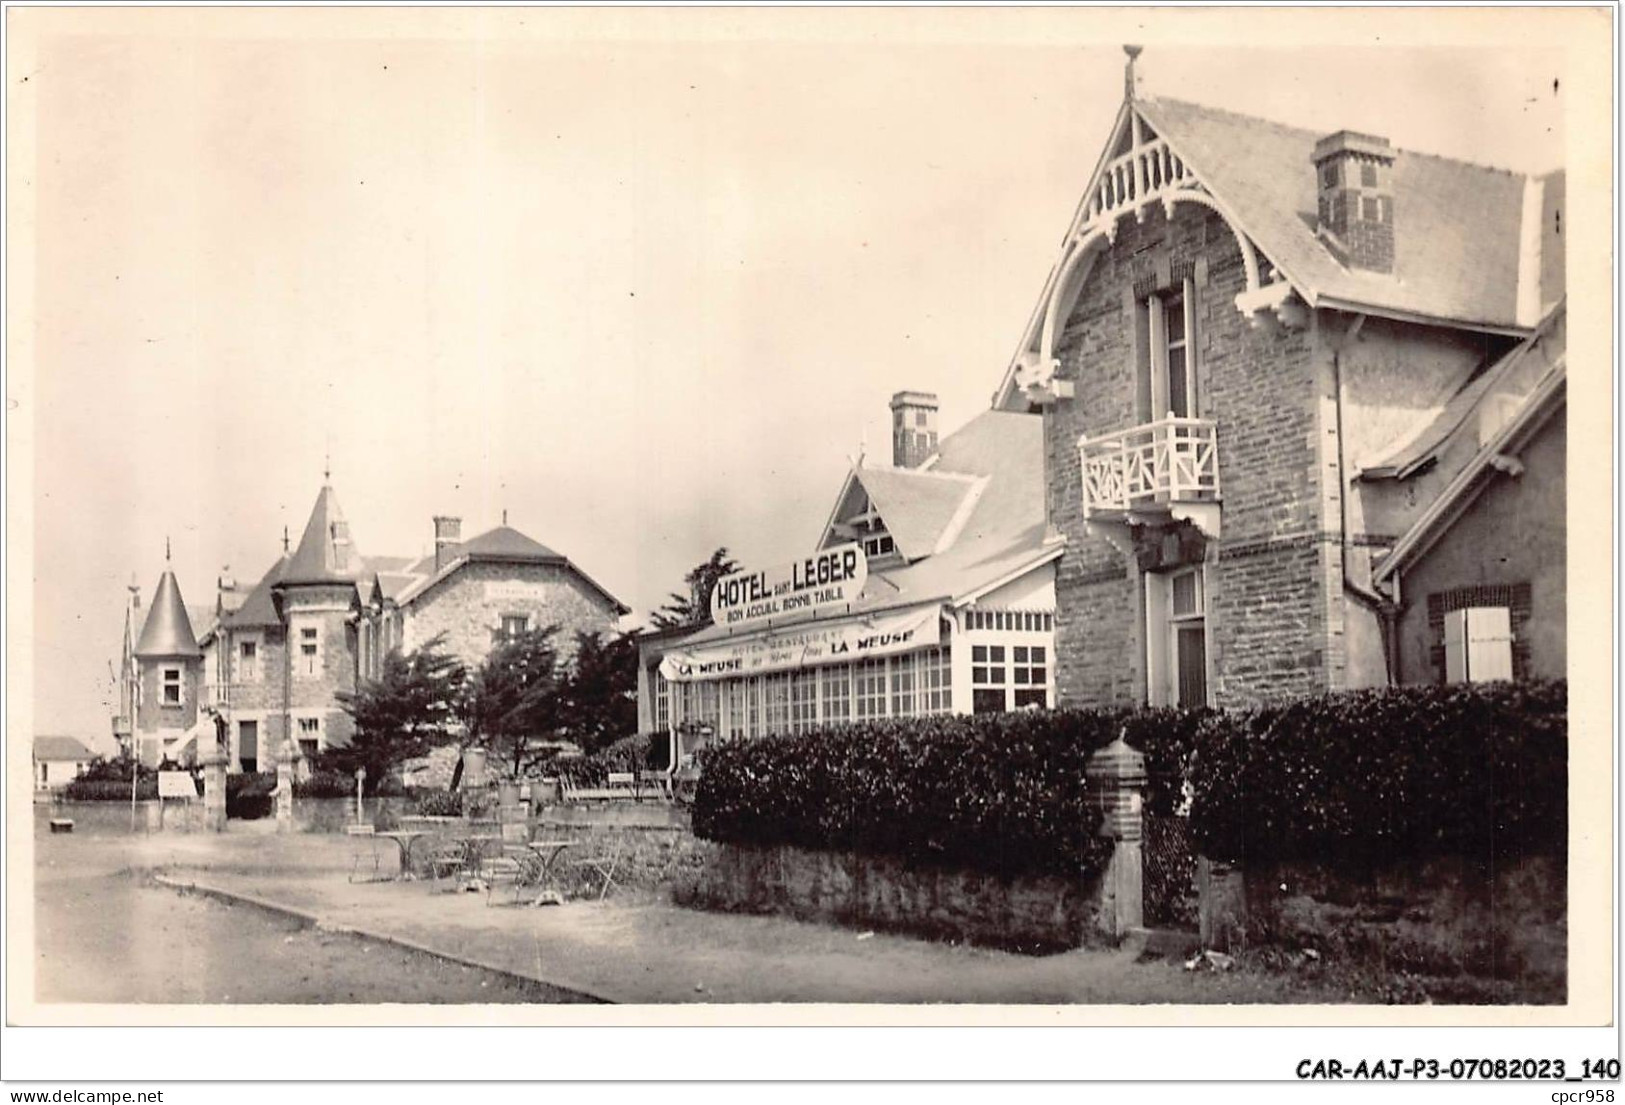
[(105, 935)]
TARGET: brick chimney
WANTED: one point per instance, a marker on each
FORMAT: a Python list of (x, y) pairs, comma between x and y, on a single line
[(913, 428), (448, 533), (1354, 174)]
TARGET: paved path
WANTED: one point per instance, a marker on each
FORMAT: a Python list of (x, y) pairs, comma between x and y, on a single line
[(648, 952)]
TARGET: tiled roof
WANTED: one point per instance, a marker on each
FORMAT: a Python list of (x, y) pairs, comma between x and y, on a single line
[(69, 749), (326, 552), (1456, 225), (503, 543), (168, 630), (917, 507), (258, 610)]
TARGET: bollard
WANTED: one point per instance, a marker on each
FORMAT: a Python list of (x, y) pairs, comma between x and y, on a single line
[(1117, 780)]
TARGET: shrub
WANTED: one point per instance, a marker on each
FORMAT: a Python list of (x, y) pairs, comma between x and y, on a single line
[(250, 795), (1363, 776), (643, 752), (110, 790), (1003, 793), (438, 803), (325, 784)]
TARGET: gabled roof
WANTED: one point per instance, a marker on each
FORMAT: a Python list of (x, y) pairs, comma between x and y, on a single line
[(326, 552), (1456, 225), (168, 630), (1536, 410), (999, 457), (504, 544), (1475, 247), (1514, 376), (57, 749), (917, 507)]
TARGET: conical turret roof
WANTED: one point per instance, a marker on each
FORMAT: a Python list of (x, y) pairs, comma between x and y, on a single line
[(325, 553), (168, 631)]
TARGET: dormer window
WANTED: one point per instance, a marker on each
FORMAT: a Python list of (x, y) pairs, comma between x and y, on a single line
[(879, 545)]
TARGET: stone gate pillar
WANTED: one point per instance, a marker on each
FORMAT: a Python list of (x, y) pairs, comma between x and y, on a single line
[(1117, 780), (287, 755), (214, 789)]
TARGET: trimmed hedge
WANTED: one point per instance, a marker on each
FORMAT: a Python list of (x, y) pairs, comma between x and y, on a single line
[(325, 784), (1002, 793), (643, 752), (1474, 770), (1478, 771), (110, 790)]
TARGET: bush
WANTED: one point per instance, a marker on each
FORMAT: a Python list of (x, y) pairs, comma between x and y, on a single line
[(110, 790), (250, 795), (438, 803), (325, 784), (1002, 793), (643, 752), (1476, 770)]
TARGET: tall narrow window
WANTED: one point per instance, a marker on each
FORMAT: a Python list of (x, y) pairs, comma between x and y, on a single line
[(1168, 372), (309, 650), (735, 694), (776, 703), (1176, 638), (803, 701), (837, 693), (936, 681), (172, 687), (870, 679), (248, 670), (662, 703), (310, 736), (902, 686)]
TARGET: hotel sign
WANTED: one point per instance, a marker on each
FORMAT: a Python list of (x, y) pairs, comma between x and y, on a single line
[(806, 647), (828, 578)]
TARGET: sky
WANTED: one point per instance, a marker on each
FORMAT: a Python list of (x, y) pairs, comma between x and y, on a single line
[(644, 284)]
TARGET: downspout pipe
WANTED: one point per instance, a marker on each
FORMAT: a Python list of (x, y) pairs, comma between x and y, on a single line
[(1385, 608)]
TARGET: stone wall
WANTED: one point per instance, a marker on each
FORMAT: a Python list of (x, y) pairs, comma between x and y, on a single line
[(1439, 918), (467, 609), (1027, 914), (1269, 630)]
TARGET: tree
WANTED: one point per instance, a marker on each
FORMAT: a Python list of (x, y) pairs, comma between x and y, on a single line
[(513, 699), (694, 608), (600, 694), (409, 709)]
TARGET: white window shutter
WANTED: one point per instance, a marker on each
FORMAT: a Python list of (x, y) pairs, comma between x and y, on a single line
[(1158, 359), (1489, 643), (1156, 639), (1455, 646)]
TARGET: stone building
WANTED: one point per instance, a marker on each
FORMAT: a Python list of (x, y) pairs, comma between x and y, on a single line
[(951, 607), (271, 664), (1265, 356)]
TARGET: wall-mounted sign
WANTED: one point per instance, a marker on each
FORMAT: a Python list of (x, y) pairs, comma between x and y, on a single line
[(828, 578), (512, 590), (860, 639)]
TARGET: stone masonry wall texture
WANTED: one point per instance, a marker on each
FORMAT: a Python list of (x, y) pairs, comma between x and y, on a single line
[(468, 611), (1267, 607)]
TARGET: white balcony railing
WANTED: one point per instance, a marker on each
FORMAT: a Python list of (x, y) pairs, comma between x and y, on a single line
[(216, 694), (1174, 460), (1137, 178)]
